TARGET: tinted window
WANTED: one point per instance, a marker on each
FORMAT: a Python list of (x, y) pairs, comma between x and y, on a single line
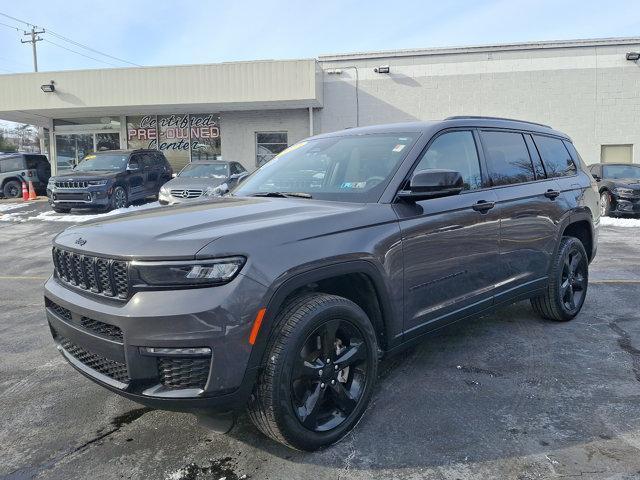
[(621, 171), (535, 158), (205, 170), (106, 163), (508, 159), (236, 168), (556, 158), (11, 164), (454, 151)]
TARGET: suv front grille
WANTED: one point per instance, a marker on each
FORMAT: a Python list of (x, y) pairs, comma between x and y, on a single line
[(190, 193), (110, 368), (68, 184), (102, 276), (177, 373)]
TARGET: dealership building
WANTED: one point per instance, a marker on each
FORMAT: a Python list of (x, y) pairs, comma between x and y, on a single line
[(250, 111)]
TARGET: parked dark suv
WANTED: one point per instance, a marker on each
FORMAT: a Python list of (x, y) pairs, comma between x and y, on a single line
[(18, 167), (619, 186), (283, 296), (109, 179)]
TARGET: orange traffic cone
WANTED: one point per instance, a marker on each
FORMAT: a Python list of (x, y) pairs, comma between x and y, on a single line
[(25, 192), (32, 192)]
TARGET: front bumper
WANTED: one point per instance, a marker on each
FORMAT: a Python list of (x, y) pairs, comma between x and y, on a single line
[(105, 340), (625, 205), (79, 198)]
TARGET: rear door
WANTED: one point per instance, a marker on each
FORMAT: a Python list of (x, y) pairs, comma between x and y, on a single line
[(136, 180), (450, 244), (530, 209)]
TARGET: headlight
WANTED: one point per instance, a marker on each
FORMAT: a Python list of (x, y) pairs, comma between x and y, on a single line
[(216, 191), (190, 273), (625, 192), (164, 190), (97, 183)]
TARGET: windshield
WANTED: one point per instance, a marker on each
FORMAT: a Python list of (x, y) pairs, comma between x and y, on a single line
[(621, 171), (103, 163), (353, 168), (205, 170)]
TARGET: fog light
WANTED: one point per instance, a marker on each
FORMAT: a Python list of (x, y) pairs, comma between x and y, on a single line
[(175, 351)]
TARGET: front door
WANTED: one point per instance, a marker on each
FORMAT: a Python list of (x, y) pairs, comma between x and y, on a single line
[(450, 244), (136, 177)]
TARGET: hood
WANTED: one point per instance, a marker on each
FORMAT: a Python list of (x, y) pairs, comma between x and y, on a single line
[(196, 183), (88, 175), (180, 231), (626, 182)]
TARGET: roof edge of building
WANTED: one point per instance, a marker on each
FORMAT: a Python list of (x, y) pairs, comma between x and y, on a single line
[(534, 45)]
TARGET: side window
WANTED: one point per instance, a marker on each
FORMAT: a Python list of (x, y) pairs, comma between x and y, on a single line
[(556, 158), (577, 159), (240, 168), (535, 158), (454, 151), (11, 164), (234, 169), (135, 161), (147, 161), (508, 158)]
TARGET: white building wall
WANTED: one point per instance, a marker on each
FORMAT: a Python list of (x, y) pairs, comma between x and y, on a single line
[(592, 93), (238, 131)]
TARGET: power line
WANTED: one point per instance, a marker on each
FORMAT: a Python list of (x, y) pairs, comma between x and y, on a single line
[(10, 26), (78, 44), (79, 53)]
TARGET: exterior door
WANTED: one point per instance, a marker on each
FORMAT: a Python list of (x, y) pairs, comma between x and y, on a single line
[(530, 209), (136, 179), (450, 244)]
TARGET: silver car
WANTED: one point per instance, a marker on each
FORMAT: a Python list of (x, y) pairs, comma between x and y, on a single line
[(205, 178)]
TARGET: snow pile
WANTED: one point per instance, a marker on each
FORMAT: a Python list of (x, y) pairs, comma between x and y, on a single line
[(51, 216), (620, 222)]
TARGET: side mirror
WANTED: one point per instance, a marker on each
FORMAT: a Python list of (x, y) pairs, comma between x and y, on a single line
[(134, 166), (434, 183), (595, 175)]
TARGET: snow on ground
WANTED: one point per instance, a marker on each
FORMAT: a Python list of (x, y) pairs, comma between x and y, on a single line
[(620, 222), (5, 207), (51, 216)]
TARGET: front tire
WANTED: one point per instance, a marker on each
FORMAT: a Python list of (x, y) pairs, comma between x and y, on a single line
[(568, 281), (119, 198), (319, 372)]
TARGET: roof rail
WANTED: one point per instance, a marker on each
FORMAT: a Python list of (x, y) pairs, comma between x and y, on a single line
[(480, 117)]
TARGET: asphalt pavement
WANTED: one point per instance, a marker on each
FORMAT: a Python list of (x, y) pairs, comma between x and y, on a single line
[(504, 396)]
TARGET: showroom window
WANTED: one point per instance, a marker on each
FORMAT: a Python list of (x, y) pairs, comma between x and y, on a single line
[(616, 153), (268, 145)]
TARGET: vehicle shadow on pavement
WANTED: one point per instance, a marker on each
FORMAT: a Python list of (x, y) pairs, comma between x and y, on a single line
[(506, 385)]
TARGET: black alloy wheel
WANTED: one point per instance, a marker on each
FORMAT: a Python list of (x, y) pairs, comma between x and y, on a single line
[(119, 198), (318, 372), (573, 285), (329, 376), (566, 288), (12, 189)]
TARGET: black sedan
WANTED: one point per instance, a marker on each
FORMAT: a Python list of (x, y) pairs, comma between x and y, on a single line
[(619, 185)]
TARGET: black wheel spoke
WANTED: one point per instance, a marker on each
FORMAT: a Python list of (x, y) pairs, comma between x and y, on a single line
[(308, 412), (344, 400), (328, 338), (571, 299), (575, 262), (305, 369), (564, 287), (354, 354)]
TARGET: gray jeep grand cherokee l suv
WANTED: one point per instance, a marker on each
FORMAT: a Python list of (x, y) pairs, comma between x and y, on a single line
[(282, 297)]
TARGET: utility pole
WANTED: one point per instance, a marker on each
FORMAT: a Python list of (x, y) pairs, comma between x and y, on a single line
[(34, 34), (35, 38)]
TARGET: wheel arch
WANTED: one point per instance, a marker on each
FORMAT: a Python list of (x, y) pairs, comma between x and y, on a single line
[(580, 226), (355, 280)]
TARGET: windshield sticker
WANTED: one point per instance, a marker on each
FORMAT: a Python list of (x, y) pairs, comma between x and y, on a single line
[(398, 148), (353, 185)]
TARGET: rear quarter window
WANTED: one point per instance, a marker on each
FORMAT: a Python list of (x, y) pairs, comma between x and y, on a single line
[(555, 156), (11, 164)]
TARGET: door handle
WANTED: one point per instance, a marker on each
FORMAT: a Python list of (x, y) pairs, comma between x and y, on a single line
[(552, 194), (483, 206)]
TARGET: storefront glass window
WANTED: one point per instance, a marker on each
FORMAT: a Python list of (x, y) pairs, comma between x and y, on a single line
[(86, 124), (268, 145), (72, 148), (173, 139), (205, 137)]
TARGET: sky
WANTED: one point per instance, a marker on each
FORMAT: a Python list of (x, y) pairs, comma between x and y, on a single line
[(165, 32)]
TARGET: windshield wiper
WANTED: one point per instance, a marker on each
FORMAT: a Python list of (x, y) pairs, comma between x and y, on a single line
[(281, 194)]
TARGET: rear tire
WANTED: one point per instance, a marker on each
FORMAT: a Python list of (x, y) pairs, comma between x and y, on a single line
[(318, 374), (12, 189), (567, 286), (605, 204)]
